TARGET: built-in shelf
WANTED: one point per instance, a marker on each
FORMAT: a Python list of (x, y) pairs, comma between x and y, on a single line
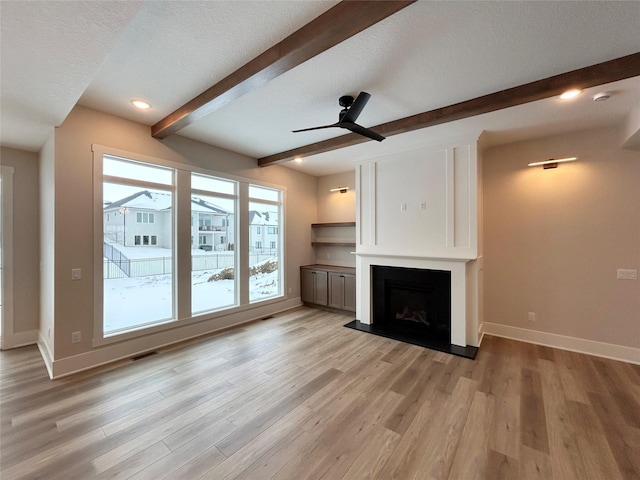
[(333, 224), (333, 244)]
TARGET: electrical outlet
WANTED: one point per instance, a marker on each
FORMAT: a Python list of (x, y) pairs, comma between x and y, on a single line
[(423, 205), (290, 289), (626, 274), (403, 207), (532, 317), (76, 337), (76, 274)]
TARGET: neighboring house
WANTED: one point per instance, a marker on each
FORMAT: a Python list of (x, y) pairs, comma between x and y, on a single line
[(211, 226), (144, 219), (263, 231)]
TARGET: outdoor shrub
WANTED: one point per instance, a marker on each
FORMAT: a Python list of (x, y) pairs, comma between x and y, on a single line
[(225, 274), (266, 267)]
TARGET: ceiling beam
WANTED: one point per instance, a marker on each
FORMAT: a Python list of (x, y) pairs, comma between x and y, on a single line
[(599, 74), (337, 24)]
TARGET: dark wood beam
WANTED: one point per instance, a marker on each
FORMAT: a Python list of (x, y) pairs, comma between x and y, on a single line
[(599, 74), (337, 24)]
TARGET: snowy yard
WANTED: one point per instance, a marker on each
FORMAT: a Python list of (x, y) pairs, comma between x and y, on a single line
[(134, 302)]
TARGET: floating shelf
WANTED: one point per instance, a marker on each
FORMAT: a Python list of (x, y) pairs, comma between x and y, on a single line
[(333, 244), (333, 224)]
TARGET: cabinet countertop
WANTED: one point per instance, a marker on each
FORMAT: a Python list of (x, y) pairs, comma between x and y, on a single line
[(330, 268)]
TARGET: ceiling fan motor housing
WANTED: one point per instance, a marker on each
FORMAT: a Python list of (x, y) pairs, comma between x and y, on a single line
[(345, 101)]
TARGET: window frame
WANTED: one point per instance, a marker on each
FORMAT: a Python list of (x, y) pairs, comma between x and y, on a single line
[(182, 241)]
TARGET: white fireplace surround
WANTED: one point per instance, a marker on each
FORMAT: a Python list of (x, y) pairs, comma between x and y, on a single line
[(420, 209), (457, 268)]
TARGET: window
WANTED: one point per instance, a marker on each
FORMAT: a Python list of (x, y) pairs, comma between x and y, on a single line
[(137, 208), (144, 217), (265, 273), (213, 265), (138, 284)]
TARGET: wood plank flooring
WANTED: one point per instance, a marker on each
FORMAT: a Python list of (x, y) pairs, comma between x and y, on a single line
[(299, 396)]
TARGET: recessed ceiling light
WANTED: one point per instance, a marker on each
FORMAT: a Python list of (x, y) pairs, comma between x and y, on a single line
[(297, 160), (141, 104), (569, 94)]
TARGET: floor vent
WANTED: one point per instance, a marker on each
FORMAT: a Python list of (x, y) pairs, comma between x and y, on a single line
[(143, 355)]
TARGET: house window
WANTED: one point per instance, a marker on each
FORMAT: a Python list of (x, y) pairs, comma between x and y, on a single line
[(272, 230), (136, 292), (265, 206), (214, 279), (145, 217), (272, 244)]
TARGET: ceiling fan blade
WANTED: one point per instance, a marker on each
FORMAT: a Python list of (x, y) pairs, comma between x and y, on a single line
[(355, 128), (315, 128), (355, 109)]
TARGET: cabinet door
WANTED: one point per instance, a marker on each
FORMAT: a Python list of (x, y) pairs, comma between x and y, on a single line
[(336, 290), (349, 292), (313, 286), (320, 287), (307, 287)]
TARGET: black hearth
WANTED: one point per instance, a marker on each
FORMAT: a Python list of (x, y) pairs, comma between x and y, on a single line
[(413, 305)]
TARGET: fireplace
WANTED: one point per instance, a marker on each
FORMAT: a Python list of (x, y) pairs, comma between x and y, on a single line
[(417, 301), (413, 301)]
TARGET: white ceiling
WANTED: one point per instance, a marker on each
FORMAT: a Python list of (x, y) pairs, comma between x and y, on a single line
[(428, 55)]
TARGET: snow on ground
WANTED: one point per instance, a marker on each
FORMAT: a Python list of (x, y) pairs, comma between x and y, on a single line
[(133, 302)]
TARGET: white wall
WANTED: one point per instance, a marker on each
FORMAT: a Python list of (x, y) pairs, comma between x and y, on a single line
[(555, 238), (73, 246)]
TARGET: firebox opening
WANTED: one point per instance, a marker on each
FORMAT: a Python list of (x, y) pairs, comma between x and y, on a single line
[(413, 302)]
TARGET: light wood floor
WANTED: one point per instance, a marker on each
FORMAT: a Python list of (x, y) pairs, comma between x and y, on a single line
[(299, 396)]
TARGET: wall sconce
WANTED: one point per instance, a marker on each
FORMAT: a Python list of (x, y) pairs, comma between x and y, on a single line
[(340, 189), (552, 162)]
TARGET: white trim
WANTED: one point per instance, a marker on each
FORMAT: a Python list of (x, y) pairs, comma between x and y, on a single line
[(46, 354), (573, 344), (123, 350), (8, 337)]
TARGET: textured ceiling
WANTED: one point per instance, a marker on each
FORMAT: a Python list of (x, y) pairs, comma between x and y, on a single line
[(428, 55)]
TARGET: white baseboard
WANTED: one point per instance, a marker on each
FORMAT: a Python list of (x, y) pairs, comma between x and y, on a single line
[(573, 344), (45, 352), (19, 339), (118, 351)]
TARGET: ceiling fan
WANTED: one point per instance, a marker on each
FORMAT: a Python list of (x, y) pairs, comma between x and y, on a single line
[(348, 116)]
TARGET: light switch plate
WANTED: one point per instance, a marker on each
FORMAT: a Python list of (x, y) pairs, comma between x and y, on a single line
[(76, 274)]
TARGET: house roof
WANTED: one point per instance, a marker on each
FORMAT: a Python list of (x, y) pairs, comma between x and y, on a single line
[(156, 201), (426, 56), (268, 218)]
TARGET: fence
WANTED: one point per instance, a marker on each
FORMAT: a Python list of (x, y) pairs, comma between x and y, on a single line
[(117, 261), (121, 267)]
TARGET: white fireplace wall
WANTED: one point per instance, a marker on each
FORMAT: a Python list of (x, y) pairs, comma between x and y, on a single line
[(419, 209)]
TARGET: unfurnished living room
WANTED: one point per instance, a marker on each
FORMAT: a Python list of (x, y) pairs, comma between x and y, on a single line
[(319, 239)]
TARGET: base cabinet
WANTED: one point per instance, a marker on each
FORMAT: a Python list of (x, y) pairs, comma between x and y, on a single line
[(329, 286)]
